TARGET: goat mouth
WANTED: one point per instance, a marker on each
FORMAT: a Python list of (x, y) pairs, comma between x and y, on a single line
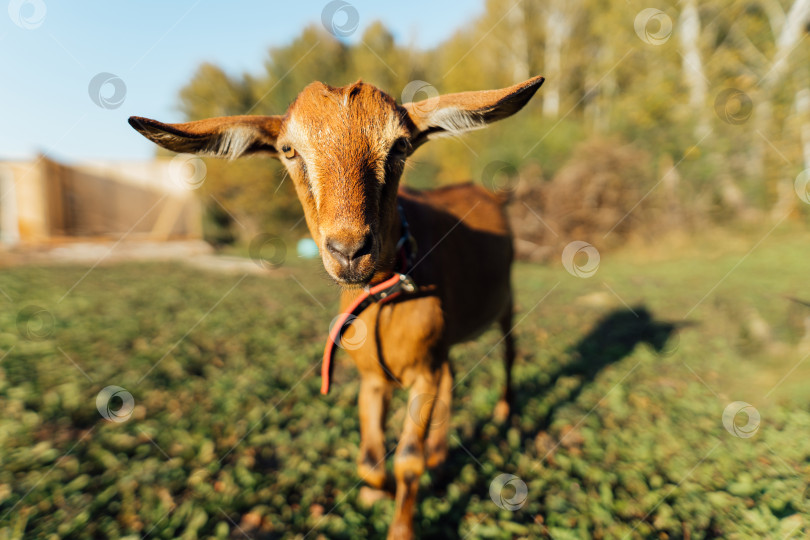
[(353, 278), (352, 284)]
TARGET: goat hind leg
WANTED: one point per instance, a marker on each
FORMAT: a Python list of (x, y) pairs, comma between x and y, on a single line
[(504, 406), (436, 451)]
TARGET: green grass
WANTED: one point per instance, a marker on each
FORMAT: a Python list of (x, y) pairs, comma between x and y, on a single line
[(619, 431)]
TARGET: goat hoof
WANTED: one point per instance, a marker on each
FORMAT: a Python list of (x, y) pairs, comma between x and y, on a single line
[(501, 414), (436, 456), (399, 531), (372, 473), (368, 496)]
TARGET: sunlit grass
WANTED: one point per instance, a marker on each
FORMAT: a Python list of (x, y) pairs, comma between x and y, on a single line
[(619, 431)]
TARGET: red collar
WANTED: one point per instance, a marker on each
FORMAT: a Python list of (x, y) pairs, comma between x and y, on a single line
[(381, 293)]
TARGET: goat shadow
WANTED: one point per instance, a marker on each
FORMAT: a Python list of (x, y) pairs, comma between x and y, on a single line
[(613, 338)]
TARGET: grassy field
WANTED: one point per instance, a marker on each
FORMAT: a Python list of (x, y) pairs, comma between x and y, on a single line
[(623, 379)]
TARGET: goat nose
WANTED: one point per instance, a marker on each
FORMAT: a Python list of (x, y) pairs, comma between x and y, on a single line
[(345, 252)]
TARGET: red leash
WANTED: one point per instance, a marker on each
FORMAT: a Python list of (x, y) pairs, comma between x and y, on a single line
[(381, 293)]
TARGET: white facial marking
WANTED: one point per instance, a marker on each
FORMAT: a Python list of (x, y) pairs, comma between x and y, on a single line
[(298, 135)]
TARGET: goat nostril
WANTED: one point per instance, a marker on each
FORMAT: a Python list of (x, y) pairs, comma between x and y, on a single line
[(345, 252), (337, 251), (364, 247)]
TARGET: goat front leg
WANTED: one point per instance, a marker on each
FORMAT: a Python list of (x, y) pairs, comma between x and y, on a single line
[(409, 460), (375, 394)]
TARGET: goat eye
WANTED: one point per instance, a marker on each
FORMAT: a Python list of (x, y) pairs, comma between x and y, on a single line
[(288, 151), (400, 147)]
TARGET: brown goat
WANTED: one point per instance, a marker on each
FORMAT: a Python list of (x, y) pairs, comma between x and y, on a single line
[(345, 149)]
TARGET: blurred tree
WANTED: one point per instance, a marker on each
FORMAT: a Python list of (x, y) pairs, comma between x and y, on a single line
[(378, 60), (314, 56), (560, 18), (720, 94), (692, 64), (211, 92)]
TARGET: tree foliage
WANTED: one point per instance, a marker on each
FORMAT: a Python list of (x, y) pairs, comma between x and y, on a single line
[(712, 95)]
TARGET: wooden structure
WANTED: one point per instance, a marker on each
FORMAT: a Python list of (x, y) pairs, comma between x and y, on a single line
[(45, 202)]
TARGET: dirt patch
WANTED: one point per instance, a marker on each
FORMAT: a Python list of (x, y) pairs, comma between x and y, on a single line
[(105, 251)]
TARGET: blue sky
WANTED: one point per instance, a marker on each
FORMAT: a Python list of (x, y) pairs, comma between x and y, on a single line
[(153, 47)]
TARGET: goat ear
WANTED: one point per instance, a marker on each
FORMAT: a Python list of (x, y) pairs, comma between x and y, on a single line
[(454, 114), (227, 136)]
